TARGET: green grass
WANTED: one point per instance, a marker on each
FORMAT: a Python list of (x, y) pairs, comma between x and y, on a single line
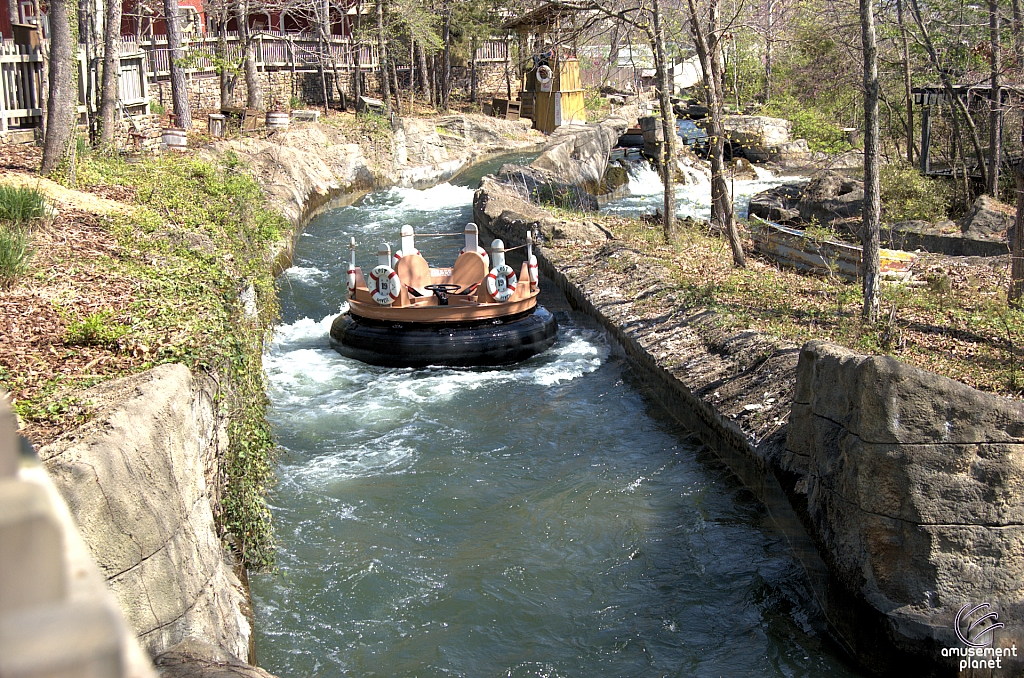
[(15, 254), (21, 205), (95, 330), (184, 307), (956, 324)]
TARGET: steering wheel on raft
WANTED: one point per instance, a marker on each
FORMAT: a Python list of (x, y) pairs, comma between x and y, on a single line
[(441, 291)]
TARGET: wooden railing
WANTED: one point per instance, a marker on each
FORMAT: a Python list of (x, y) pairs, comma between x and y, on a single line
[(273, 50)]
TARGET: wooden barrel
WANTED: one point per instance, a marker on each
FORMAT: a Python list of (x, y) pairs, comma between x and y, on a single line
[(277, 120), (174, 139)]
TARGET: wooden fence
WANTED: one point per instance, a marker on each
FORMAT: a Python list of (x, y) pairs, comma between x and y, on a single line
[(21, 81), (142, 62)]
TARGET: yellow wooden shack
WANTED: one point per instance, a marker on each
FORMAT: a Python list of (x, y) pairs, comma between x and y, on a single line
[(556, 94), (551, 92)]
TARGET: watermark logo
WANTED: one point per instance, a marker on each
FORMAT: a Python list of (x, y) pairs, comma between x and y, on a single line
[(974, 630), (975, 627)]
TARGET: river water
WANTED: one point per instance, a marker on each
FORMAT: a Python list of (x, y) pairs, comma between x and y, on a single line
[(539, 520)]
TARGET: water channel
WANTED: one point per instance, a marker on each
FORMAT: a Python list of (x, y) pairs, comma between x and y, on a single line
[(540, 520)]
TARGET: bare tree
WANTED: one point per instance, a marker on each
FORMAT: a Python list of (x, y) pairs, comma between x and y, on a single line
[(709, 45), (872, 201), (253, 90), (61, 109), (110, 90), (179, 92), (995, 128), (1016, 292)]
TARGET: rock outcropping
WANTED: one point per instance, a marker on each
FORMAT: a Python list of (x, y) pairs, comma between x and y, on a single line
[(913, 488), (135, 480)]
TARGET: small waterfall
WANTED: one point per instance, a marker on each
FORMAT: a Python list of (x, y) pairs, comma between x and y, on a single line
[(762, 174)]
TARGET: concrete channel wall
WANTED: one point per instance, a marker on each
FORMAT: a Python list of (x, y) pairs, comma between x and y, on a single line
[(899, 490)]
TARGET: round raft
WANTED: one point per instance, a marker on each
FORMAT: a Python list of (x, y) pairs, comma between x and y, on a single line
[(498, 341)]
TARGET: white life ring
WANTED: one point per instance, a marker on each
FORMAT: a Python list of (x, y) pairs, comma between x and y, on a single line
[(534, 269), (351, 281), (384, 285), (544, 74), (482, 252), (501, 282), (398, 255)]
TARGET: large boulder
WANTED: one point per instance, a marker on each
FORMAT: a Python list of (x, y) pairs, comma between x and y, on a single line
[(757, 134), (543, 187), (578, 154), (778, 204), (505, 209), (914, 490), (988, 219), (791, 154), (831, 196)]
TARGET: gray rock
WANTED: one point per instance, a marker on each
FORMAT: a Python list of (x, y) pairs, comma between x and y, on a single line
[(830, 196), (509, 211), (914, 487), (988, 219), (543, 187), (850, 160), (195, 658), (778, 204), (135, 480), (791, 154), (578, 154)]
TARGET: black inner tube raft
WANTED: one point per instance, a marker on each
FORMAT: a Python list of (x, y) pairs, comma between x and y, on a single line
[(497, 341)]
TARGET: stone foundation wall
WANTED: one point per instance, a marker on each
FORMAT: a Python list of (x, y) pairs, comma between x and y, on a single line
[(278, 89)]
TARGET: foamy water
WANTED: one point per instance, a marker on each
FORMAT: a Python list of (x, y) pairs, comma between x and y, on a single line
[(693, 199)]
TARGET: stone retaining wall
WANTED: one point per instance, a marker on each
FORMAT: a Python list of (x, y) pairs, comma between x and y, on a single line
[(139, 481)]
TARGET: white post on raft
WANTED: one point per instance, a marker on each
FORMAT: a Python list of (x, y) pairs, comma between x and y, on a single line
[(384, 255), (408, 240), (498, 253), (351, 277), (472, 239), (529, 246)]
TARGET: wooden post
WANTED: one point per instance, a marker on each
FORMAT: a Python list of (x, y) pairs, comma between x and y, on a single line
[(926, 137), (1017, 250)]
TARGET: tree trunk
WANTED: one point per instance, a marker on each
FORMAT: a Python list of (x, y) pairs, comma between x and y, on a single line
[(110, 91), (12, 13), (446, 66), (227, 79), (769, 43), (62, 111), (709, 53), (179, 92), (907, 85), (357, 72), (87, 41), (668, 126), (253, 91), (872, 201), (995, 127), (1018, 34), (382, 58), (421, 57), (1017, 252), (472, 71)]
